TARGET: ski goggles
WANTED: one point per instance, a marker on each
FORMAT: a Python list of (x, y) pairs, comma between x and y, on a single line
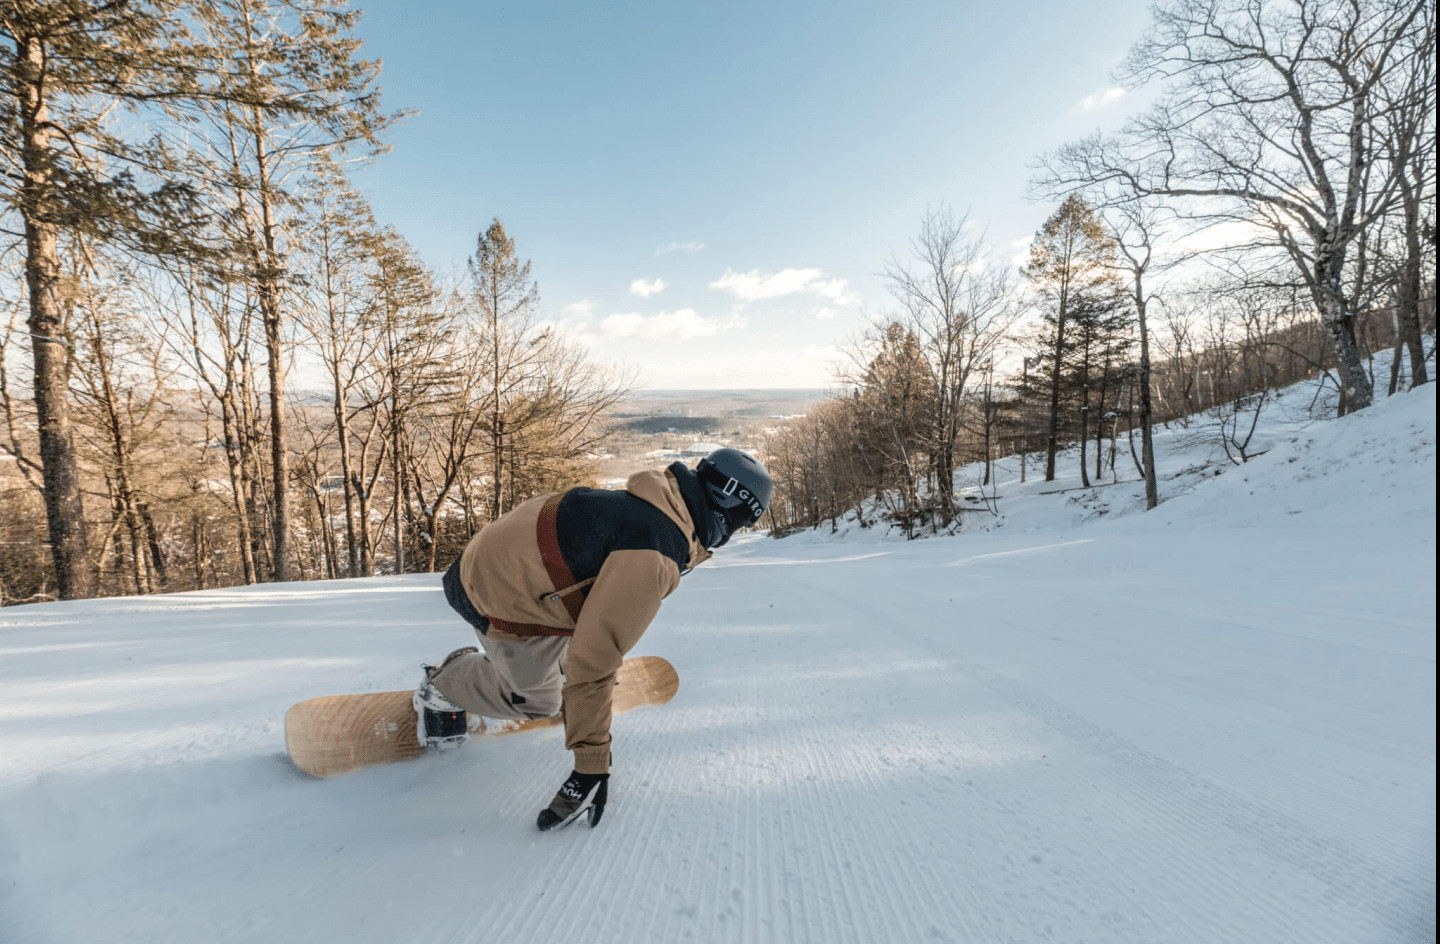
[(736, 503)]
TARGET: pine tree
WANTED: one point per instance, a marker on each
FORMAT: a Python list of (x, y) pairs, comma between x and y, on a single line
[(895, 400), (289, 88), (507, 298), (1072, 271)]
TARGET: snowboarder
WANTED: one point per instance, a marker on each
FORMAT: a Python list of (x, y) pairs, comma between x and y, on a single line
[(560, 588)]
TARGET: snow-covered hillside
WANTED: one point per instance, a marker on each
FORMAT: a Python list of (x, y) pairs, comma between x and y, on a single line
[(1076, 723)]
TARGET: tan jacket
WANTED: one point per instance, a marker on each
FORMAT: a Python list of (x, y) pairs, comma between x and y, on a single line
[(506, 579)]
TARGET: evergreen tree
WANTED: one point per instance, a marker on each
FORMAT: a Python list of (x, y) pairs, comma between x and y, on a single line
[(289, 89), (507, 298), (895, 401), (1072, 271)]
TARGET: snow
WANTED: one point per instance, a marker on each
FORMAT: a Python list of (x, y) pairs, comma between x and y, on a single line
[(1213, 722)]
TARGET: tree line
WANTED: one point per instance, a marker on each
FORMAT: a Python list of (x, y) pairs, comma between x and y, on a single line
[(181, 226), (1296, 137)]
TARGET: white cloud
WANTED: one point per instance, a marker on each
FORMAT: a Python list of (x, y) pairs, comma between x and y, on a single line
[(579, 309), (836, 290), (1101, 98), (678, 247), (647, 287), (825, 314), (752, 286), (682, 324)]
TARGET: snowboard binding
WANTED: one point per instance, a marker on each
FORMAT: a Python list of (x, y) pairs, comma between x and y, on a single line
[(439, 724)]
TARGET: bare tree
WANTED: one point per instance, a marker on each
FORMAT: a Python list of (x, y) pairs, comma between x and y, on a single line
[(958, 307), (63, 68), (1405, 134), (818, 471), (1135, 227), (15, 446), (1265, 124), (339, 315), (413, 336), (443, 433), (291, 90), (119, 375), (208, 319)]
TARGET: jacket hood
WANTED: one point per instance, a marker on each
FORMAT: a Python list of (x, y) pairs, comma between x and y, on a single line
[(662, 490)]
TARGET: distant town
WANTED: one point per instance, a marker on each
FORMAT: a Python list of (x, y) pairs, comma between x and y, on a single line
[(653, 428)]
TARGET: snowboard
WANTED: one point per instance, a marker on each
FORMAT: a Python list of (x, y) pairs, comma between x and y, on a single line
[(337, 734)]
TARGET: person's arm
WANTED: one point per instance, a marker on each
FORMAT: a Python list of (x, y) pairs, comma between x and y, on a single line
[(622, 602)]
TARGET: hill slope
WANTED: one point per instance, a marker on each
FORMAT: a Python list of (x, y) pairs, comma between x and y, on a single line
[(1214, 722)]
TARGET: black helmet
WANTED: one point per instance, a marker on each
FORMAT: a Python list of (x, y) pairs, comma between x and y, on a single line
[(736, 487)]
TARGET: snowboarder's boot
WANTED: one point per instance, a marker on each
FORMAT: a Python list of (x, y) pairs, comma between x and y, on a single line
[(439, 724)]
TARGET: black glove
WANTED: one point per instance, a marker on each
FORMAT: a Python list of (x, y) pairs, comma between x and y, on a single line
[(582, 793)]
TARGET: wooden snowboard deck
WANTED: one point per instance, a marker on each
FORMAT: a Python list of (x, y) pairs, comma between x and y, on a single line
[(337, 734)]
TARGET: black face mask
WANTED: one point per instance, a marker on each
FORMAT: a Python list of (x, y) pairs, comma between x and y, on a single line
[(726, 521), (717, 532), (710, 526)]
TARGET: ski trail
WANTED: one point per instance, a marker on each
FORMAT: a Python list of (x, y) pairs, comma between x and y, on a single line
[(1171, 800), (1199, 725)]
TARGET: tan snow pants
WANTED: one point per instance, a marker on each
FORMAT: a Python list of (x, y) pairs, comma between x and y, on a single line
[(513, 677)]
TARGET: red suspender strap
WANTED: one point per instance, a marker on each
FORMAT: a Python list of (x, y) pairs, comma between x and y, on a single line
[(527, 629), (555, 566)]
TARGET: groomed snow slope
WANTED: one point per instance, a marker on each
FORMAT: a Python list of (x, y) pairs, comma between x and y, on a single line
[(1209, 723)]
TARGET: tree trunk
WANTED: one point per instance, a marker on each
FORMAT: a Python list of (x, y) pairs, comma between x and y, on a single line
[(364, 488), (342, 432), (1407, 288), (497, 425), (1084, 412), (265, 257), (117, 426), (398, 497), (1053, 437), (201, 546), (1147, 445), (157, 557), (239, 480), (64, 505), (1339, 323), (269, 292), (1100, 420)]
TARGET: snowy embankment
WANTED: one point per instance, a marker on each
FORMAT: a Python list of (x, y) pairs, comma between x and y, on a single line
[(1209, 723)]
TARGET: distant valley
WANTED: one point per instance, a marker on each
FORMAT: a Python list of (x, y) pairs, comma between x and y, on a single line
[(652, 428)]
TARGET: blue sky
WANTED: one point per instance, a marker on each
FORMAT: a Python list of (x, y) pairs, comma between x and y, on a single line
[(709, 192)]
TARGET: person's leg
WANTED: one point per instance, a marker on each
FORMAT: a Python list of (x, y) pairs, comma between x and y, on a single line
[(512, 678)]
